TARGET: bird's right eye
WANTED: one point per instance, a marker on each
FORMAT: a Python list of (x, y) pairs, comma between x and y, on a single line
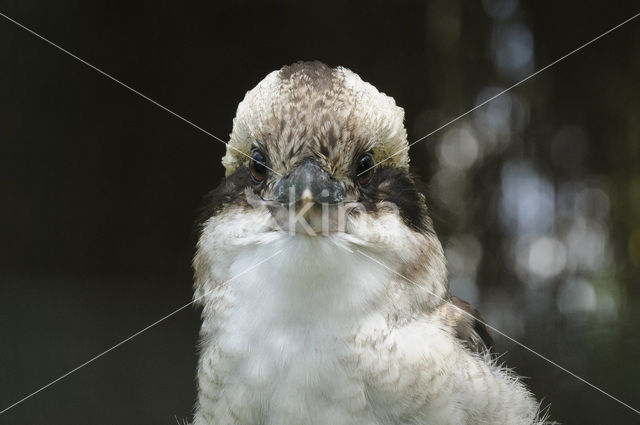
[(258, 167)]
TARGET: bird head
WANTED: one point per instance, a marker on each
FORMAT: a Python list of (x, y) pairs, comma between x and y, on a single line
[(315, 152), (310, 136)]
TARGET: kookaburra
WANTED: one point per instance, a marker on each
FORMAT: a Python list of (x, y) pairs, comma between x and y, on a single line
[(322, 283)]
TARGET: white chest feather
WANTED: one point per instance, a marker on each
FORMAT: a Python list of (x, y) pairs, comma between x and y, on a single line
[(282, 343), (307, 338)]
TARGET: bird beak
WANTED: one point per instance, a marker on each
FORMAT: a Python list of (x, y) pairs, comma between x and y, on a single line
[(309, 183), (309, 201)]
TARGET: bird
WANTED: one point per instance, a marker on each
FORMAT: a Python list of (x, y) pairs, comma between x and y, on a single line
[(321, 280)]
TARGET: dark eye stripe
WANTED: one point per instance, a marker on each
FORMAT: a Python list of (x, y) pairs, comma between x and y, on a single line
[(398, 187)]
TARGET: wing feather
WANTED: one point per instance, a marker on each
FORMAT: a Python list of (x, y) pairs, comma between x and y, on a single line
[(467, 324)]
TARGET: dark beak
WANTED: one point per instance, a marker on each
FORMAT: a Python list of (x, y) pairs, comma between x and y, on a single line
[(311, 182)]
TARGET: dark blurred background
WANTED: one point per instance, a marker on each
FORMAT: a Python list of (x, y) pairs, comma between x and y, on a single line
[(536, 195)]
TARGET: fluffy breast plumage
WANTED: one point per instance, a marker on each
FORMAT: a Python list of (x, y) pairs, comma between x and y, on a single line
[(283, 345)]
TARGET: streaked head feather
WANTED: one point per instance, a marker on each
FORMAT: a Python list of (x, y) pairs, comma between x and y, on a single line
[(309, 109)]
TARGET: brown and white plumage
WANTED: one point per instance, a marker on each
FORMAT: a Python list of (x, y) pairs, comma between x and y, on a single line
[(351, 326)]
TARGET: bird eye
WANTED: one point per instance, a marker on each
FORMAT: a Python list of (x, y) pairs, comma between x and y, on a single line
[(365, 169), (257, 167)]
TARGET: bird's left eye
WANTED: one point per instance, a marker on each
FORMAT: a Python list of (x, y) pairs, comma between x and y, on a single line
[(364, 171), (257, 167)]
